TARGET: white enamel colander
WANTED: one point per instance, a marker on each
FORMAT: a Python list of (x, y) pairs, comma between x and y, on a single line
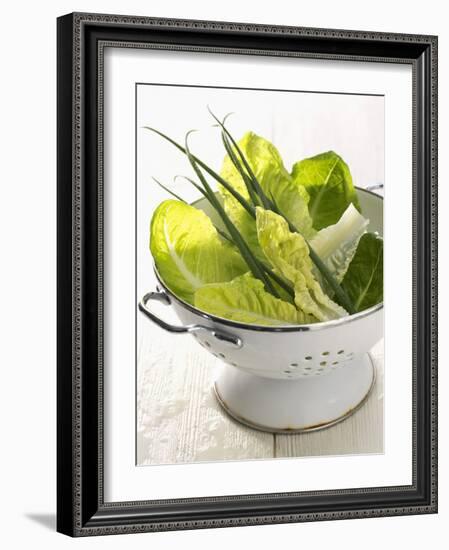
[(286, 379)]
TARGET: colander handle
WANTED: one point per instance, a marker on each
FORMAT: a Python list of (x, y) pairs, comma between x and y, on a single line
[(224, 337), (375, 187)]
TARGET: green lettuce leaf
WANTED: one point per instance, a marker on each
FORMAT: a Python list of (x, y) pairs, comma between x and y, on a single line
[(188, 251), (245, 223), (328, 181), (266, 163), (336, 244), (365, 276), (289, 254), (245, 300)]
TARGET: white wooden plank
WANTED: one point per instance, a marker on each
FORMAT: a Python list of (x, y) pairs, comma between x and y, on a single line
[(180, 421), (178, 417)]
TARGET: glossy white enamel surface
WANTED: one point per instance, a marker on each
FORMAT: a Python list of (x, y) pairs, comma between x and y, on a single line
[(290, 355)]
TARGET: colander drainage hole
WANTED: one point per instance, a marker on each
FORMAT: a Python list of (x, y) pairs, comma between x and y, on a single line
[(294, 365), (325, 353), (222, 355), (340, 352), (207, 344), (323, 363), (308, 358), (287, 371), (307, 368), (335, 362)]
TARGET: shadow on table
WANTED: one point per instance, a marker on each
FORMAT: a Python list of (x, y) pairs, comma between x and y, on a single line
[(46, 520)]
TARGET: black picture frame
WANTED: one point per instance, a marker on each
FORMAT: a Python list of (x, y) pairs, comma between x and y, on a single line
[(81, 509)]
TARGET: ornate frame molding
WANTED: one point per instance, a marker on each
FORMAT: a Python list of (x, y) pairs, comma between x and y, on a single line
[(81, 509)]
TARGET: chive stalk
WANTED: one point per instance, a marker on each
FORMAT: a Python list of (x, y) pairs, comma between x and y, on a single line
[(245, 251), (246, 205), (258, 188), (169, 191), (283, 284), (257, 271), (341, 295), (247, 181)]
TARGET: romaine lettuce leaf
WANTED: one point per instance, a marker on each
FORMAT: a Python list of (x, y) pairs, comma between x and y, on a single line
[(364, 279), (245, 300), (328, 181), (289, 254), (245, 223), (336, 244), (188, 251), (266, 163)]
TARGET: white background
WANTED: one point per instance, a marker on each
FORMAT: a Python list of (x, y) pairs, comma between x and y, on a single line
[(28, 260), (122, 68)]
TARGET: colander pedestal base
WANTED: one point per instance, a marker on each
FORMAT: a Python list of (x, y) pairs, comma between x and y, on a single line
[(292, 406)]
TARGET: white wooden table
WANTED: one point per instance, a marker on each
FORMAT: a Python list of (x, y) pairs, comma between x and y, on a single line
[(180, 421)]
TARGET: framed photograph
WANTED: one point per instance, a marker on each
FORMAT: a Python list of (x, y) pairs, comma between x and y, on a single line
[(247, 247)]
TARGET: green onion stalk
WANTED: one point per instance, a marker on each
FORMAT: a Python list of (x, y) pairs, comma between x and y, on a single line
[(257, 197)]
